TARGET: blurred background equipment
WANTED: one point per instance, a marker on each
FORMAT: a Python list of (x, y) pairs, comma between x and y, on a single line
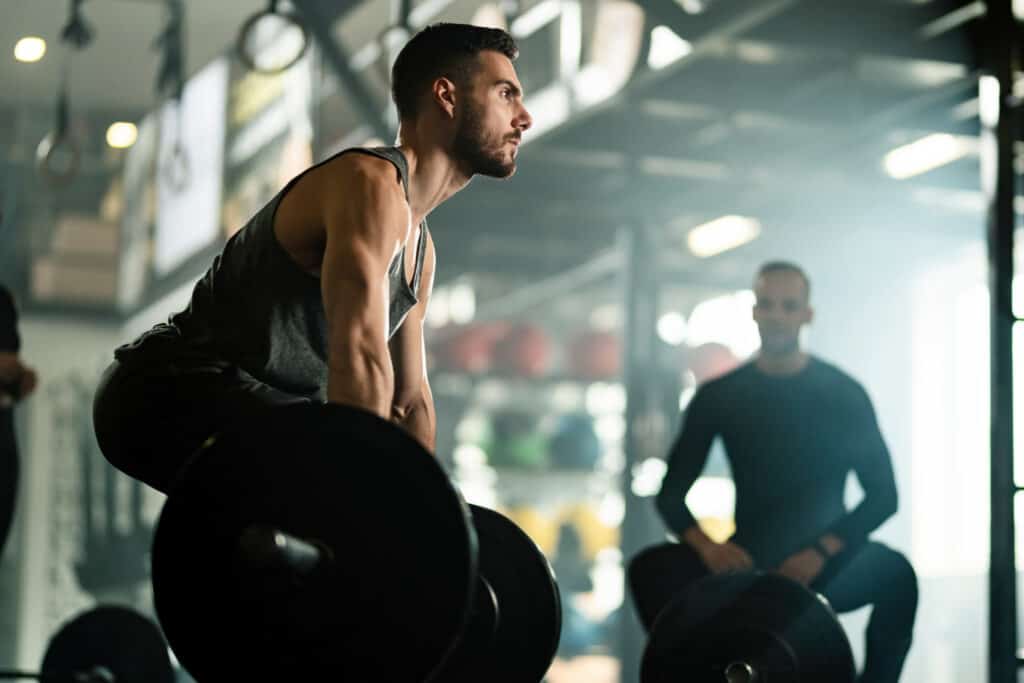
[(59, 154), (574, 443), (281, 28)]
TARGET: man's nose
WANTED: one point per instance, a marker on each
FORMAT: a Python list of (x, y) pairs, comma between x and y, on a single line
[(524, 121)]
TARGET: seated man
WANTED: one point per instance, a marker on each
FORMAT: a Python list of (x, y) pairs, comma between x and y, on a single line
[(17, 381), (322, 295), (793, 427)]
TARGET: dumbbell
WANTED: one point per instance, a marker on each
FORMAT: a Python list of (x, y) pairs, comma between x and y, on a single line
[(739, 627), (327, 539), (104, 645)]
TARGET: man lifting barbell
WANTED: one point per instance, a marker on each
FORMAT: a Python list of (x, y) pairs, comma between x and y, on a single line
[(287, 414), (793, 428), (322, 295)]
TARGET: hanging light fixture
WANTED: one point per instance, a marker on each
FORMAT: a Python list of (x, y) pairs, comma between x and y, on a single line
[(273, 40)]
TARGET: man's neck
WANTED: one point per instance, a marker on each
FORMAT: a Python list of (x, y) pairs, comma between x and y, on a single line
[(433, 175), (782, 364)]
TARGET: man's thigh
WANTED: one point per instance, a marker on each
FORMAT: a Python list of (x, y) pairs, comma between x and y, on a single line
[(150, 420), (870, 574)]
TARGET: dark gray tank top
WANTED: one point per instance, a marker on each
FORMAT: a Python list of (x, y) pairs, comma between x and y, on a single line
[(257, 309)]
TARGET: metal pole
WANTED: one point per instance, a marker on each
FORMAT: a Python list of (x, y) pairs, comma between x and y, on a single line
[(998, 136), (641, 307)]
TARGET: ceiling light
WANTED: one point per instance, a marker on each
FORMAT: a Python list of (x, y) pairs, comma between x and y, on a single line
[(490, 15), (988, 101), (722, 234), (666, 47), (672, 328), (30, 49), (533, 19), (122, 134), (926, 154)]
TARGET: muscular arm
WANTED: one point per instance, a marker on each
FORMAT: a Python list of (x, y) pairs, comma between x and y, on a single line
[(413, 404), (365, 227), (873, 466), (685, 462)]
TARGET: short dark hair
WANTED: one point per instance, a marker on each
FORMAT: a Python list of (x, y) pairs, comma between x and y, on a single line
[(442, 49), (785, 267)]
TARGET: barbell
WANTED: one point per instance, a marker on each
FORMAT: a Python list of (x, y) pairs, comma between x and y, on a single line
[(323, 538), (738, 627), (105, 644)]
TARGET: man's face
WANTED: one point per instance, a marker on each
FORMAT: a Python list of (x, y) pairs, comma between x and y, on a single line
[(492, 119), (780, 311)]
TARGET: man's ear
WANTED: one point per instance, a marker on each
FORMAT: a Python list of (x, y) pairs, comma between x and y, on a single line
[(444, 95)]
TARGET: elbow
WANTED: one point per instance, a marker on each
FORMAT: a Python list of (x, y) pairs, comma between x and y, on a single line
[(892, 503), (887, 504), (403, 407)]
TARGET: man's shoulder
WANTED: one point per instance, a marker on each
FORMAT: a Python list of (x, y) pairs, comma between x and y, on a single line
[(727, 381), (370, 165)]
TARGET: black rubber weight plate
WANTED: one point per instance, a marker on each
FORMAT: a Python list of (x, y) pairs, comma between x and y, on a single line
[(120, 640), (776, 625), (389, 607), (529, 607)]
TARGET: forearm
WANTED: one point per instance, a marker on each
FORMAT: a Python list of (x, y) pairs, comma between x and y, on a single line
[(420, 421), (873, 467), (671, 506), (671, 500), (880, 501), (875, 509), (695, 536), (829, 545), (685, 462), (363, 379)]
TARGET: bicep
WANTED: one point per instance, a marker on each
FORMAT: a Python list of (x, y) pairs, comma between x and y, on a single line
[(363, 233), (691, 448)]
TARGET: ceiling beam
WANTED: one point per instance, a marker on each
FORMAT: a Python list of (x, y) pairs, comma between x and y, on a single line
[(319, 20), (725, 20)]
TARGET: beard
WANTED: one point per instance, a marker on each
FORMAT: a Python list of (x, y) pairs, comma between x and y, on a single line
[(482, 154)]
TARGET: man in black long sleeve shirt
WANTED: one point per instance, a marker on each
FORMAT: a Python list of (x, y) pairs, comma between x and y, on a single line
[(793, 428), (16, 381)]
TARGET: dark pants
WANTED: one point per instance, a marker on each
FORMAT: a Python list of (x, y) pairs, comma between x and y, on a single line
[(879, 576), (150, 420), (8, 474)]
